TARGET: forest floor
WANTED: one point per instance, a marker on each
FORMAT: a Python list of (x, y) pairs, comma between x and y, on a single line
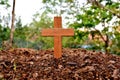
[(75, 64)]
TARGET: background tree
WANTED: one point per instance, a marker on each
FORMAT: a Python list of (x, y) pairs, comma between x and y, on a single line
[(12, 24), (4, 22), (40, 22)]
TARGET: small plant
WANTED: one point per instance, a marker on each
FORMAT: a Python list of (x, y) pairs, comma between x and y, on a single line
[(14, 66)]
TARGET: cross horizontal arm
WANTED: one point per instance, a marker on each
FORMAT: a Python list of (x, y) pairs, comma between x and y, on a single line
[(57, 32)]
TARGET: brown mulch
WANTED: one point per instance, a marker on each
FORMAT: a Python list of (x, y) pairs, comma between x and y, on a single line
[(75, 64)]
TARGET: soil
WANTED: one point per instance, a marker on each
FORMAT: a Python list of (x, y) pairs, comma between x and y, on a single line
[(75, 64)]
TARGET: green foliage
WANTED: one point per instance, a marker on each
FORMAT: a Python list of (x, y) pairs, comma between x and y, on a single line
[(20, 31), (98, 16), (5, 2), (115, 47), (33, 35), (4, 33), (47, 42), (82, 35), (4, 28), (87, 18)]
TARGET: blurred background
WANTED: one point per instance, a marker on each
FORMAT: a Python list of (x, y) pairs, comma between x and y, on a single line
[(96, 23)]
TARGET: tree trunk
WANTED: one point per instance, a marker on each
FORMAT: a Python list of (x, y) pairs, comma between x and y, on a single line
[(106, 40), (12, 24), (106, 44)]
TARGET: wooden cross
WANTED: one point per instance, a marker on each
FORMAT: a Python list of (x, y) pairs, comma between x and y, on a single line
[(57, 32)]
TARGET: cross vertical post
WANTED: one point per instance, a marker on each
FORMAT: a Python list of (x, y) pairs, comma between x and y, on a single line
[(57, 39)]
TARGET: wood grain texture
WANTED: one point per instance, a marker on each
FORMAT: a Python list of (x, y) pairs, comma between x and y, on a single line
[(57, 22), (57, 32), (57, 37), (57, 46)]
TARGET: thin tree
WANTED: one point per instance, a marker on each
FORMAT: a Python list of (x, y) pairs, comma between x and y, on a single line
[(12, 24)]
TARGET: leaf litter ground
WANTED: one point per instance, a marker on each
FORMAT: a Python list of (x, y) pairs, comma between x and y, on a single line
[(75, 64)]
